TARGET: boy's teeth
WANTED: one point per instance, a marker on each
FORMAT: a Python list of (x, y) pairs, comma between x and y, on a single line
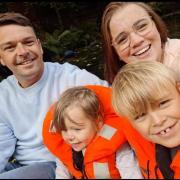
[(162, 132), (165, 131)]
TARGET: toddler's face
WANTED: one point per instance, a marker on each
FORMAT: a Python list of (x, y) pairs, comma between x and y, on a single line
[(80, 129)]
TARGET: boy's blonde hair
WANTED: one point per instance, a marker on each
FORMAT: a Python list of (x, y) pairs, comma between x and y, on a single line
[(138, 85), (81, 97)]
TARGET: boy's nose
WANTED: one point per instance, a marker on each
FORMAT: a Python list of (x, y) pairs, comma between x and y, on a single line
[(157, 118)]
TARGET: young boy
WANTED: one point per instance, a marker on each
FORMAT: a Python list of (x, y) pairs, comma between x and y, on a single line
[(84, 134), (148, 94)]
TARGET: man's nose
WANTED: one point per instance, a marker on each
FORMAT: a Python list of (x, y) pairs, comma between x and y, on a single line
[(21, 49)]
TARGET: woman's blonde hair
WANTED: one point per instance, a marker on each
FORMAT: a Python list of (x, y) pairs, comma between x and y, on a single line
[(138, 85), (81, 97), (112, 61)]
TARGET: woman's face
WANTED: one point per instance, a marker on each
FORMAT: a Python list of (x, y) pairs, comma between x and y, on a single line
[(134, 35)]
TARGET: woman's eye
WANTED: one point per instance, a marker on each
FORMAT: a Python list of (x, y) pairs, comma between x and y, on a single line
[(141, 27), (122, 39)]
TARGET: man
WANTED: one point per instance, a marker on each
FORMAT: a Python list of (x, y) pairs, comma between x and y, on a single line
[(26, 96)]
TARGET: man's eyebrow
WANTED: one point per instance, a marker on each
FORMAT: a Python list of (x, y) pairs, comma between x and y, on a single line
[(6, 43)]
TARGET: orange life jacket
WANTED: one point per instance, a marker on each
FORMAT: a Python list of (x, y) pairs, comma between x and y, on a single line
[(145, 152), (99, 157)]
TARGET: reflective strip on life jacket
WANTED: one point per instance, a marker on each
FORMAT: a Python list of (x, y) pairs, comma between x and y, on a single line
[(107, 132), (101, 170)]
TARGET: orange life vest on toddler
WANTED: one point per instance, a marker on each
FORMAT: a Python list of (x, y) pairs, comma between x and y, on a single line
[(99, 156)]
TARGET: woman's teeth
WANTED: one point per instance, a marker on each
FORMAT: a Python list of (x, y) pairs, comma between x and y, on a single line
[(142, 51)]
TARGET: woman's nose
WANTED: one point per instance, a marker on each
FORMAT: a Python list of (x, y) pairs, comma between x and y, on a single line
[(135, 39)]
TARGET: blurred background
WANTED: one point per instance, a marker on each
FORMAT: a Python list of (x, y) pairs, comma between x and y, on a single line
[(70, 31)]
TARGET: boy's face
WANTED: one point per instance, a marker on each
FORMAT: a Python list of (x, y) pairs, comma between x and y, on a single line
[(161, 123), (80, 130)]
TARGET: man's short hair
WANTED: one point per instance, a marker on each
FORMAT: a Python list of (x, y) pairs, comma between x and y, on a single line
[(9, 18)]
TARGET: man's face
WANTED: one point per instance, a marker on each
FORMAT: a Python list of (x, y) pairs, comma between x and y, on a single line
[(22, 53), (161, 123)]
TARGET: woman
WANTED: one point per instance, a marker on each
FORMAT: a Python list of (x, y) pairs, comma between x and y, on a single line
[(132, 31)]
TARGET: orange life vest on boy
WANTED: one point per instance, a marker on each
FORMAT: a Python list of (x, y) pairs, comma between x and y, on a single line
[(99, 157), (145, 152)]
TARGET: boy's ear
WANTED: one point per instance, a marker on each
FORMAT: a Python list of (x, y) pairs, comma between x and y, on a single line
[(178, 86)]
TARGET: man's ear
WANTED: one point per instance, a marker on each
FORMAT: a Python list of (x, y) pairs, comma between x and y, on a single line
[(178, 86), (39, 42), (2, 62)]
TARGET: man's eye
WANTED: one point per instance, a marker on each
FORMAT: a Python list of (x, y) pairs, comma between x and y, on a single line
[(9, 48), (29, 43)]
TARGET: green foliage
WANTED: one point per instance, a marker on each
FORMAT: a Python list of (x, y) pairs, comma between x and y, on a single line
[(70, 39)]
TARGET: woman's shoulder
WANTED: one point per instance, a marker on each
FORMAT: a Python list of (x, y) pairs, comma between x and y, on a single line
[(172, 55), (172, 45)]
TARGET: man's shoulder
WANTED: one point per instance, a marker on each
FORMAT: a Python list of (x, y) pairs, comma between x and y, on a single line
[(7, 88), (172, 45), (9, 81), (61, 66)]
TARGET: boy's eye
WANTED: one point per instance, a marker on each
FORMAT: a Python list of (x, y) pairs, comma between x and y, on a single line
[(76, 129), (164, 103), (139, 117)]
